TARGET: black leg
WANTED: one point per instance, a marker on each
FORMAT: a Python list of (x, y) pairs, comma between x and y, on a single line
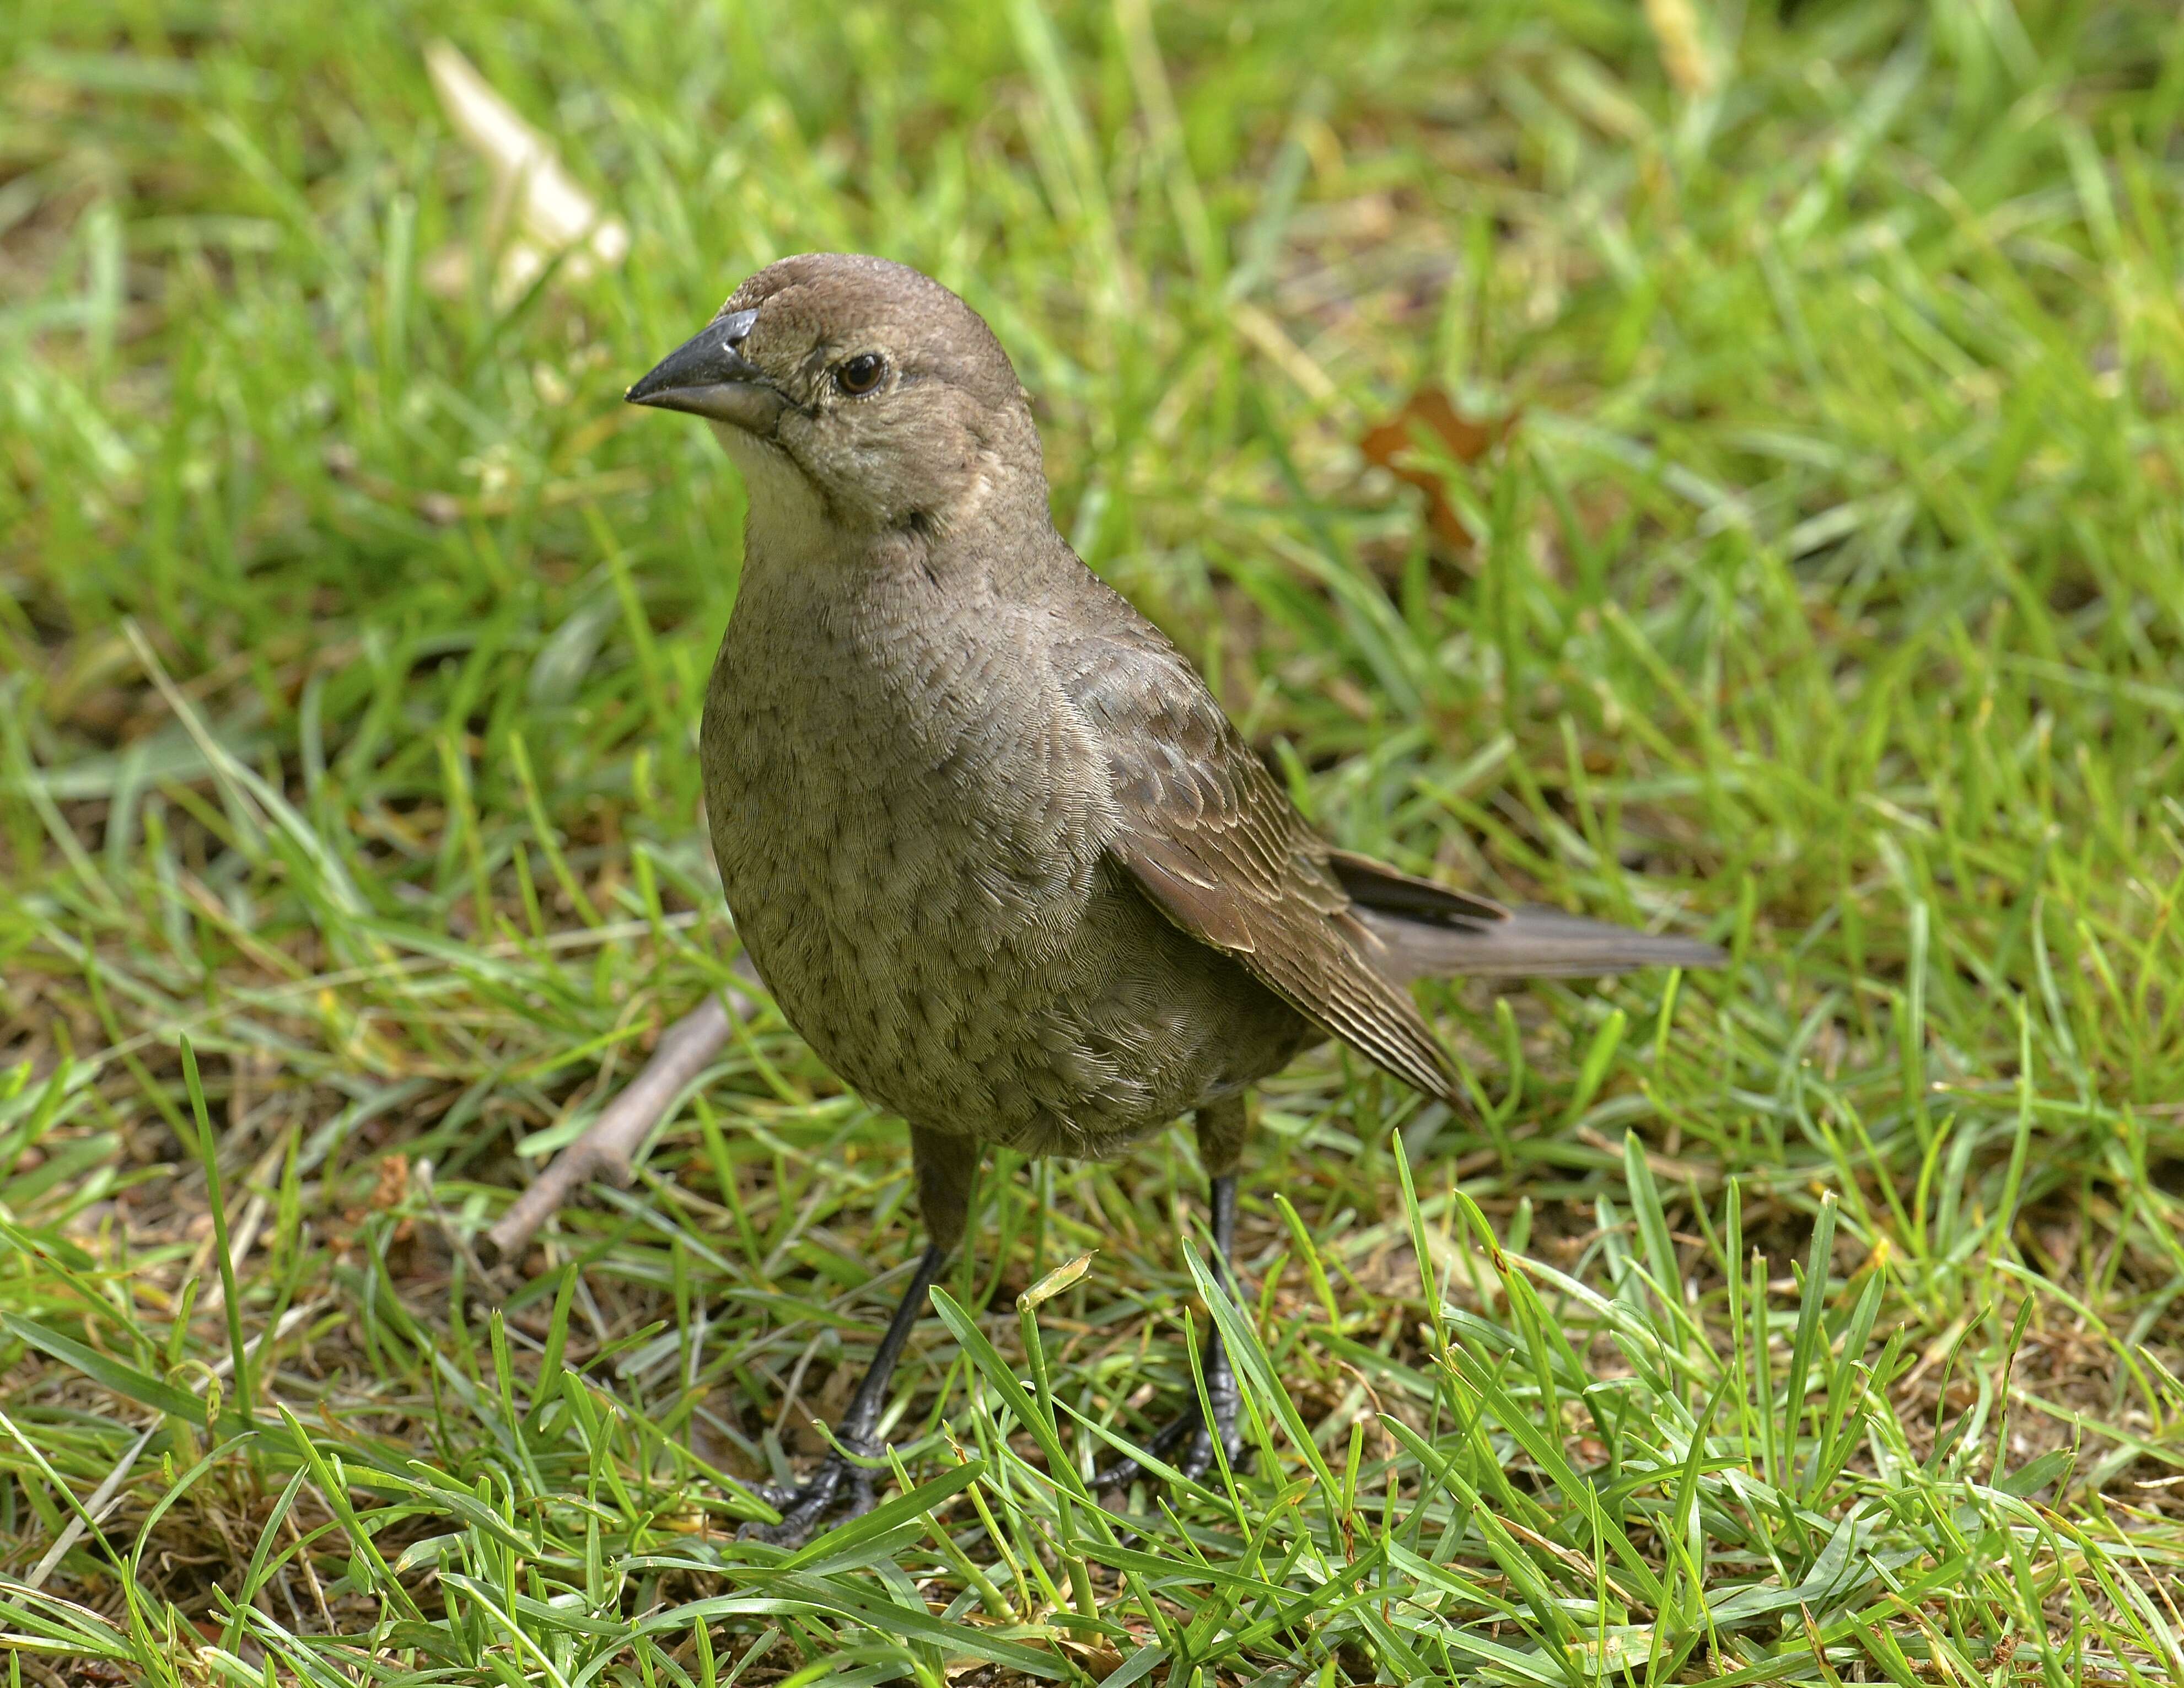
[(839, 1485), (1221, 1391)]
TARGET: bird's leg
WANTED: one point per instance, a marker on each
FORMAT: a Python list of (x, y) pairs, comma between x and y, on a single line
[(1221, 1391), (945, 1167), (1220, 1141), (838, 1482)]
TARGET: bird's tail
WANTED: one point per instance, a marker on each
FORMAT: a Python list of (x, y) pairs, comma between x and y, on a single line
[(1428, 931), (1527, 943)]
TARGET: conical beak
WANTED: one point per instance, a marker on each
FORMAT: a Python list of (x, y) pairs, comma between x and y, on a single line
[(708, 376)]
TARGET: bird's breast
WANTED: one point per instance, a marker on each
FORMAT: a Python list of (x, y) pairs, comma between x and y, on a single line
[(901, 768), (910, 842)]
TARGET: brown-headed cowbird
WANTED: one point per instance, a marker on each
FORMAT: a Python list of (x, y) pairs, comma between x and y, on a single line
[(988, 838)]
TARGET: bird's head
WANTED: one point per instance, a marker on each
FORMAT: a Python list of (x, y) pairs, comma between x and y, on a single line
[(885, 395)]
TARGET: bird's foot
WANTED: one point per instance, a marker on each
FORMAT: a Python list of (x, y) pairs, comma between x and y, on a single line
[(1186, 1430), (838, 1485)]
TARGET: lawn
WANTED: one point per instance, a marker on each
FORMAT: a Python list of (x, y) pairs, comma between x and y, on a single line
[(1802, 567)]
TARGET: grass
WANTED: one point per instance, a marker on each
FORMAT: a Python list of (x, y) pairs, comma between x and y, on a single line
[(1820, 1321)]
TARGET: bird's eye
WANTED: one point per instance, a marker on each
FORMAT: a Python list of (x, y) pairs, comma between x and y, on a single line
[(860, 373)]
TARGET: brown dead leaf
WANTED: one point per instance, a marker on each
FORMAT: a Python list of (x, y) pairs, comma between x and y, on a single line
[(1429, 414), (1102, 1661), (393, 1184)]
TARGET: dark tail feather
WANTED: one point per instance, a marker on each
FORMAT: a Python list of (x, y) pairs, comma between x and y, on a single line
[(1431, 931), (1526, 943)]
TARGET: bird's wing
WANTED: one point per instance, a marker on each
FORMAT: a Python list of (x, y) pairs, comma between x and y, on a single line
[(1215, 843)]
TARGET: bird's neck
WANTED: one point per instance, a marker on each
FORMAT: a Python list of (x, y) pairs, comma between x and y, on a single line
[(796, 547)]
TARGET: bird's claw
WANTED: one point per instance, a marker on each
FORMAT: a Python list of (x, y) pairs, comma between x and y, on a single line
[(837, 1485), (1197, 1456)]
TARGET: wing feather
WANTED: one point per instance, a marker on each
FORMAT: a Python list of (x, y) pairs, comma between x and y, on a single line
[(1215, 843)]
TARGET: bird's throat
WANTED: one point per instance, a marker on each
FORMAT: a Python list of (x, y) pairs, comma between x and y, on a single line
[(788, 523)]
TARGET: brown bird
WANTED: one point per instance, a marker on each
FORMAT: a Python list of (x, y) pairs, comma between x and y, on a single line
[(988, 838)]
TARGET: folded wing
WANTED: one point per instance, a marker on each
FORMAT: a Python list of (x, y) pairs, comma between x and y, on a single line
[(1215, 843), (1217, 846)]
